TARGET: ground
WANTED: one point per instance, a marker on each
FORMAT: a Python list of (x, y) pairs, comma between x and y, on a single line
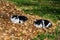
[(26, 31)]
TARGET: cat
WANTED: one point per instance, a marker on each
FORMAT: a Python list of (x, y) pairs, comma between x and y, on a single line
[(41, 23), (18, 19)]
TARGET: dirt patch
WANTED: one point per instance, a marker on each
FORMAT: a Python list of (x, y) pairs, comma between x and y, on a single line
[(11, 31)]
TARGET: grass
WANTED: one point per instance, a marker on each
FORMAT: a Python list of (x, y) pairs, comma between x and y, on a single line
[(43, 36), (44, 8), (49, 36), (40, 7)]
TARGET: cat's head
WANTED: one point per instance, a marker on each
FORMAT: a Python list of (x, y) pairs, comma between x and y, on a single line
[(14, 19)]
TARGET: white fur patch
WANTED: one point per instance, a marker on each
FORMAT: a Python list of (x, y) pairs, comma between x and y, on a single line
[(38, 26), (14, 20), (48, 24), (21, 21), (43, 23)]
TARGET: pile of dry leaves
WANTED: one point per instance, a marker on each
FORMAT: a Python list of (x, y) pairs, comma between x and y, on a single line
[(11, 31)]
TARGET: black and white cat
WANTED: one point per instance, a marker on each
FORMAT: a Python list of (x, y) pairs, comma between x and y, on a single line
[(42, 23), (18, 19)]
